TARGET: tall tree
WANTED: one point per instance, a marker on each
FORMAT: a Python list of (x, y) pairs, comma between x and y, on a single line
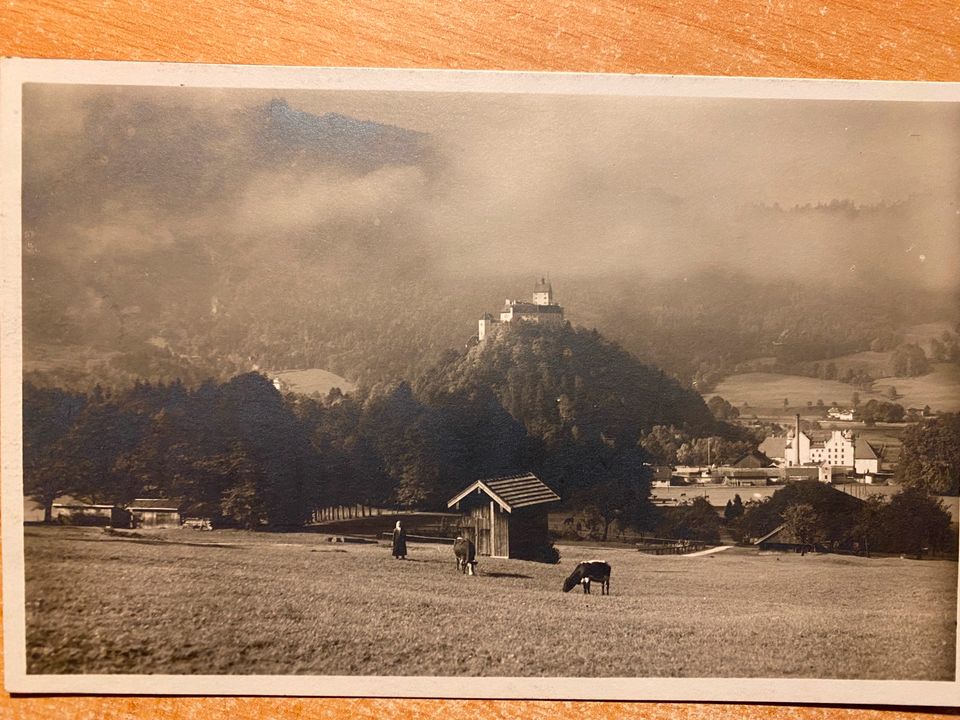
[(916, 522), (930, 456), (802, 525), (48, 417), (870, 523)]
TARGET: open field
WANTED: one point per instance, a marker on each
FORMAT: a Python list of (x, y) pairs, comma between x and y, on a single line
[(922, 333), (314, 380), (768, 390), (940, 389), (182, 601)]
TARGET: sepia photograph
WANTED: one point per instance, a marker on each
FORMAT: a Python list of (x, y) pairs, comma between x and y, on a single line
[(466, 384)]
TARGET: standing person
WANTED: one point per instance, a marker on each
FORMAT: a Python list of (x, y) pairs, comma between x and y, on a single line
[(399, 542)]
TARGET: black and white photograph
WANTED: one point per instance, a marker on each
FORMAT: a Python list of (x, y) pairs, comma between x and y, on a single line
[(466, 384)]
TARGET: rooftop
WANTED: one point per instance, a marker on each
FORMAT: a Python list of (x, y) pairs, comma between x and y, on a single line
[(510, 491)]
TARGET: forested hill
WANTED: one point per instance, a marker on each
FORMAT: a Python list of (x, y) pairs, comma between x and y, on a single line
[(568, 384), (565, 403)]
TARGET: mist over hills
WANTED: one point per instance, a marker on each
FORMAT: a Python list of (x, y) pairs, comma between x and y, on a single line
[(193, 233)]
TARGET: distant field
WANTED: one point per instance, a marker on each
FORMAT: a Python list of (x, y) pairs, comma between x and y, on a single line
[(939, 389), (768, 390), (183, 601), (923, 333), (877, 364), (313, 380)]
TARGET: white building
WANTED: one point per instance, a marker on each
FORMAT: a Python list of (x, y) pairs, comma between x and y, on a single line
[(841, 450)]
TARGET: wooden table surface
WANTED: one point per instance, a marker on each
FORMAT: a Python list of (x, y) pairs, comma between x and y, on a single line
[(869, 39)]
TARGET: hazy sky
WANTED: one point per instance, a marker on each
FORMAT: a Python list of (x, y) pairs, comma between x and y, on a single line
[(558, 184)]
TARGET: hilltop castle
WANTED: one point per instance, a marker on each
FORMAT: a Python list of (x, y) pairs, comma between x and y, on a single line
[(544, 309)]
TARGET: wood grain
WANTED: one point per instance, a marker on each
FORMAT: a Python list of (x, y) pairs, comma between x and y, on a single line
[(781, 38), (850, 39)]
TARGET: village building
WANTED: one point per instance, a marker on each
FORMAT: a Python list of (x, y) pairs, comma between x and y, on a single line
[(661, 475), (505, 517), (154, 512), (71, 511), (866, 459), (782, 540), (838, 413), (842, 449), (543, 310)]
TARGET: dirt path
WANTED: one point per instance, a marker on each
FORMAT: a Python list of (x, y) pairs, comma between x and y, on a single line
[(709, 551)]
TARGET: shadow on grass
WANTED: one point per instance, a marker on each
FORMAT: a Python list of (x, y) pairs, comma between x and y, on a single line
[(513, 576), (148, 541)]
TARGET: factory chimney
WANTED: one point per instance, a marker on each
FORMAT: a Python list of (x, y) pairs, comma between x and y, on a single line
[(796, 439)]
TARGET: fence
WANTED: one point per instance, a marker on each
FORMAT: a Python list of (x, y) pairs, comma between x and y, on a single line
[(349, 512), (420, 538), (669, 546)]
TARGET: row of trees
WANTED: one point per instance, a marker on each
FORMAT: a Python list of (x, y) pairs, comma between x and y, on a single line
[(930, 456), (911, 521), (564, 403), (234, 450)]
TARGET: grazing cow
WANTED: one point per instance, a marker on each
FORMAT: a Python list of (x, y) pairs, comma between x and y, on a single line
[(466, 553), (595, 570)]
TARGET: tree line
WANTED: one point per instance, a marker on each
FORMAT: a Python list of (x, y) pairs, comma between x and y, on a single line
[(813, 514), (564, 403)]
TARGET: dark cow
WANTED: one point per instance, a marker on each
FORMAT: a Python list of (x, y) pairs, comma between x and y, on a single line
[(585, 572), (466, 553)]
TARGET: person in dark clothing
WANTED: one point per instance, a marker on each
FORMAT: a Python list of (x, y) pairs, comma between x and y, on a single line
[(399, 542)]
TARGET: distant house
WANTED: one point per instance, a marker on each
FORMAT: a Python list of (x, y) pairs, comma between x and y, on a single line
[(822, 472), (505, 516), (154, 512), (71, 511), (660, 475), (865, 458), (836, 413), (753, 459), (780, 539), (747, 476)]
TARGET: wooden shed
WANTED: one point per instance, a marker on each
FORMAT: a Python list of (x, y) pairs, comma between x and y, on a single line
[(781, 540), (506, 517), (71, 511), (154, 512)]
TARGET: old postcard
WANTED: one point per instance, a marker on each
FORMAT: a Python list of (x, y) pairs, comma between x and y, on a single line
[(461, 384)]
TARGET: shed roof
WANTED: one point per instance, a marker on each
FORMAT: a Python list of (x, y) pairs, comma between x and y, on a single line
[(152, 504), (770, 534), (753, 459), (510, 491)]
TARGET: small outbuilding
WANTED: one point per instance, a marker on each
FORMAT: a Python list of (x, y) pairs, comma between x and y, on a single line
[(753, 460), (781, 540), (71, 511), (506, 517), (154, 512)]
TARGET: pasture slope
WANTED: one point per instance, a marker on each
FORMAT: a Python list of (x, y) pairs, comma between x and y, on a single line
[(314, 380), (186, 602), (940, 389)]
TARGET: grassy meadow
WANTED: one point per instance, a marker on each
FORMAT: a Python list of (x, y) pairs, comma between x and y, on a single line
[(765, 391), (314, 380), (186, 602)]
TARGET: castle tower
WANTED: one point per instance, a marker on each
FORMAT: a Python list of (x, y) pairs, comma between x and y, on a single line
[(543, 293), (486, 325)]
